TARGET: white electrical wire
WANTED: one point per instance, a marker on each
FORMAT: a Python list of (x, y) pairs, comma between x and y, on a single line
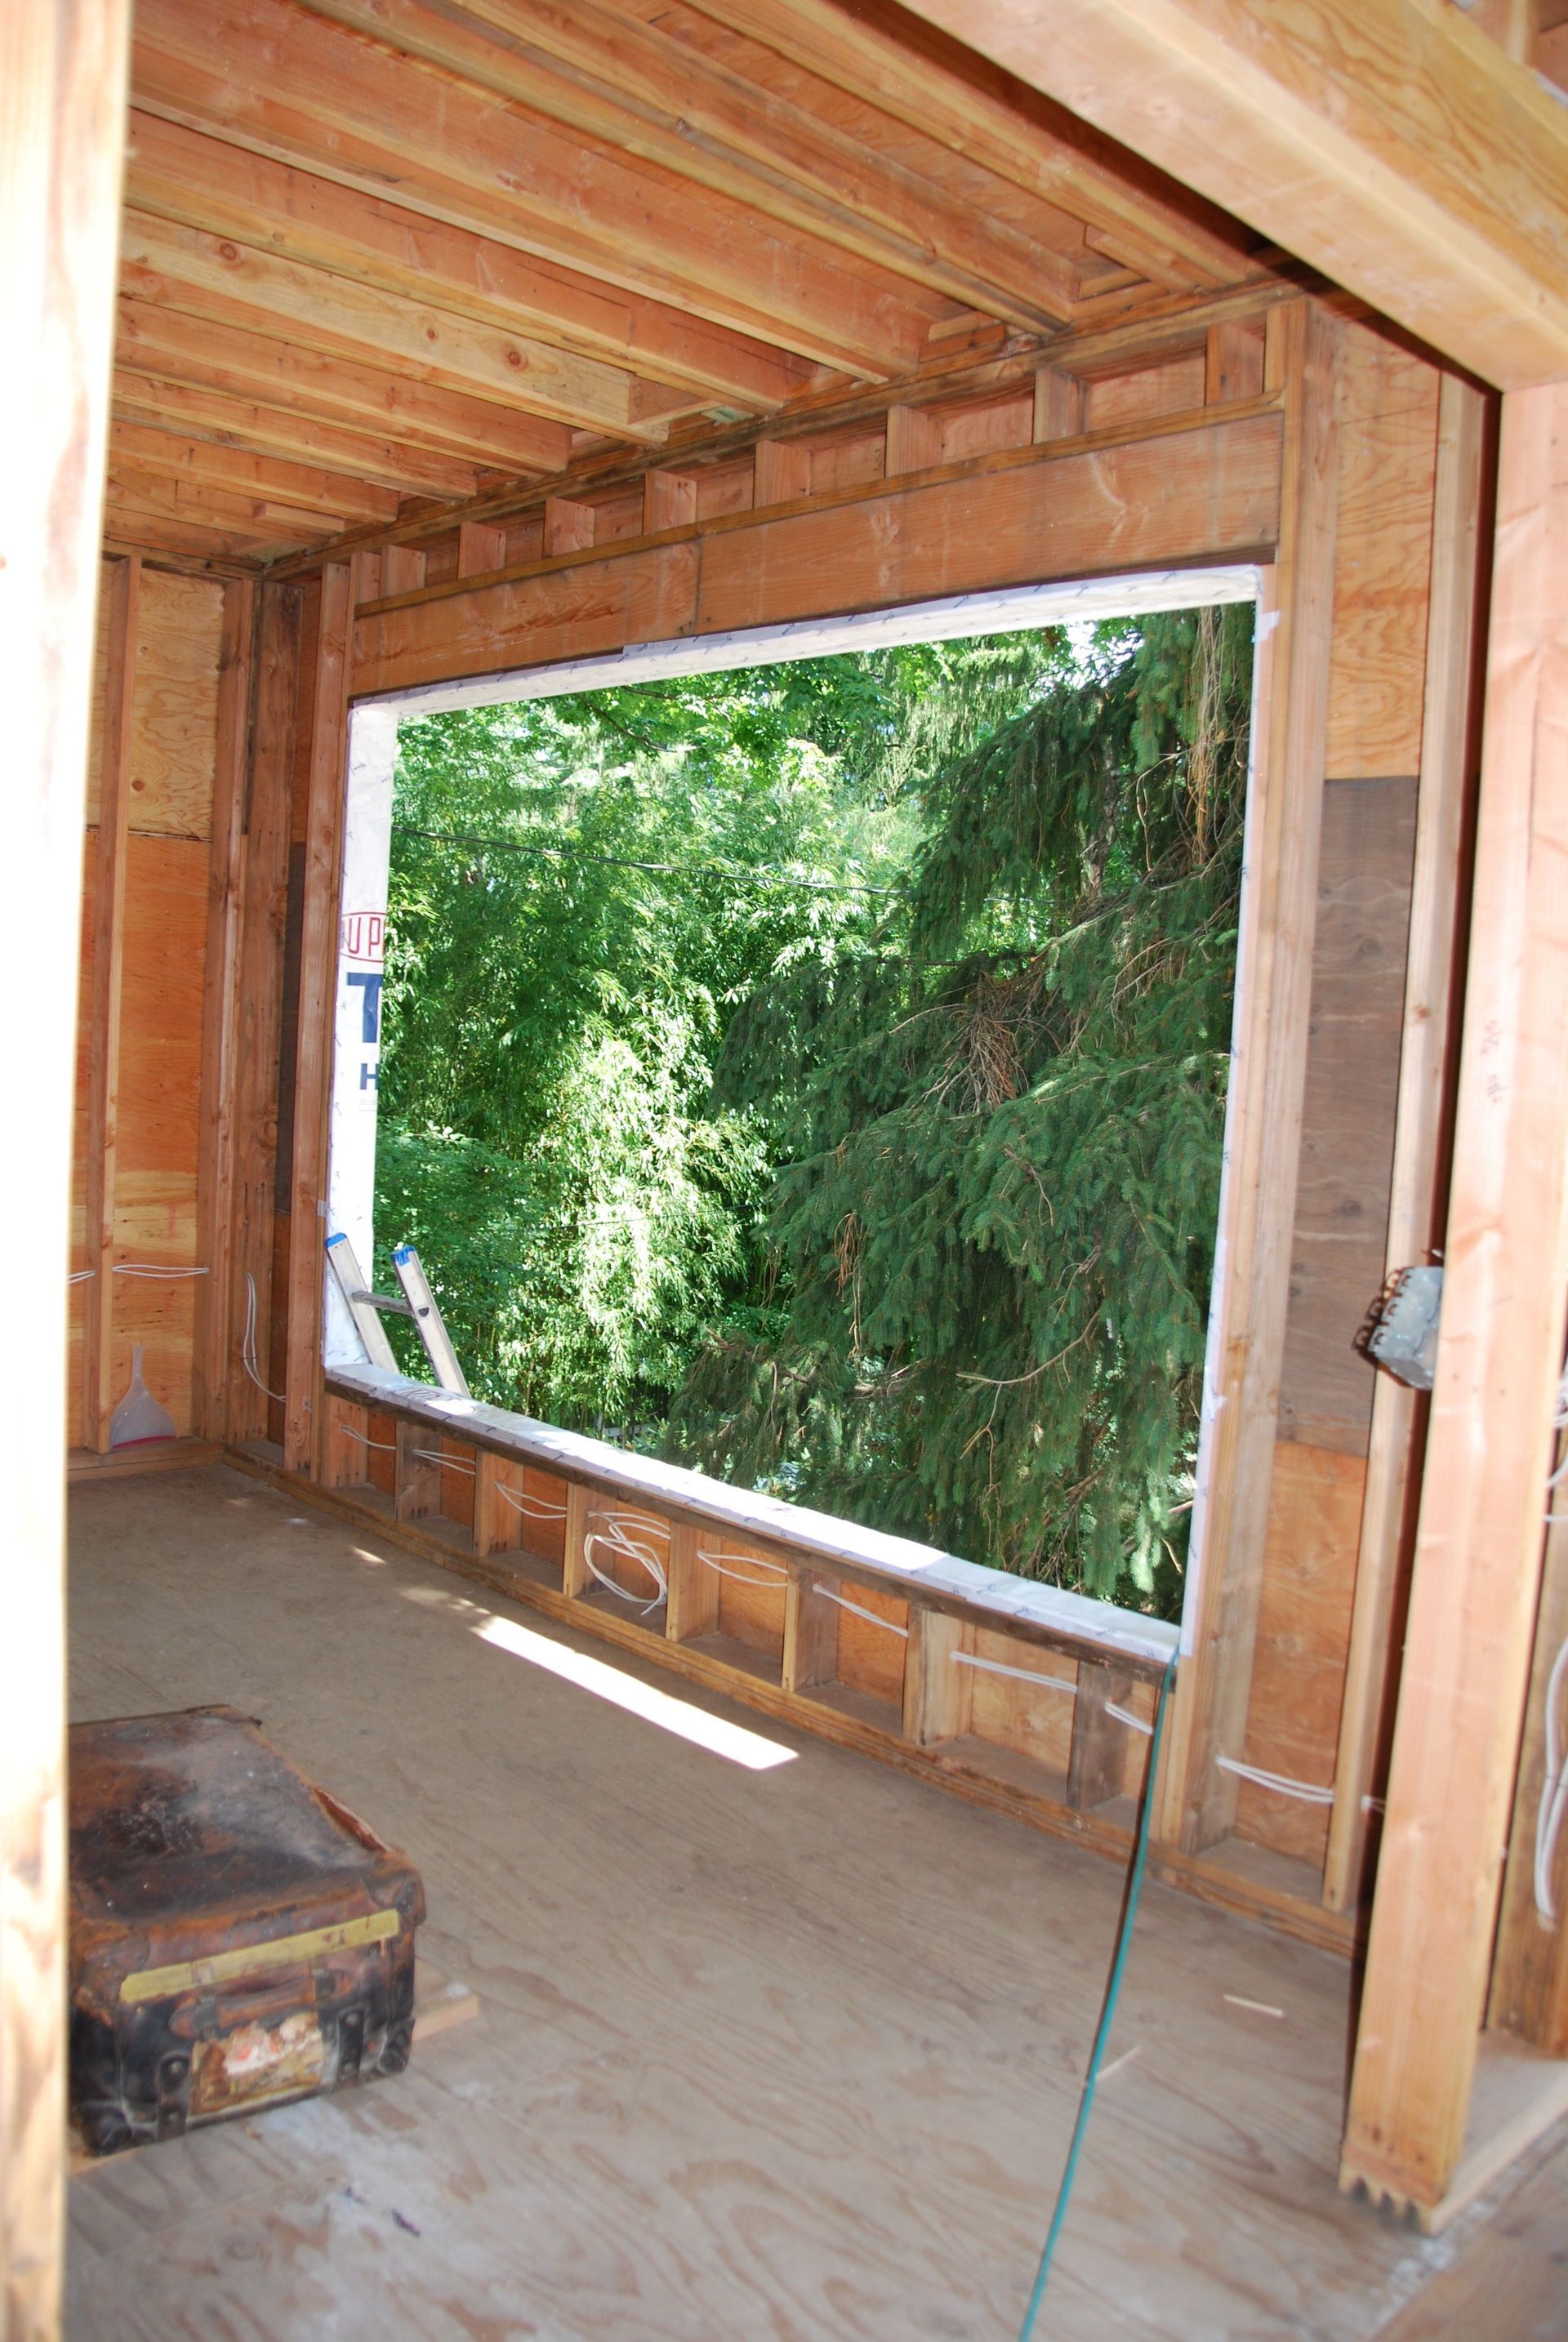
[(1281, 1784), (387, 1446), (1133, 1723), (248, 1358), (862, 1612), (1553, 1793), (715, 1562), (534, 1508), (154, 1269), (447, 1462), (615, 1539), (1022, 1675), (80, 1276)]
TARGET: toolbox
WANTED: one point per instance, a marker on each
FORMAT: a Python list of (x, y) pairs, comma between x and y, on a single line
[(238, 1937)]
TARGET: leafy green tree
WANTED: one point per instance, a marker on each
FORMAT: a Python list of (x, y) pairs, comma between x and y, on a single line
[(998, 1116), (581, 890)]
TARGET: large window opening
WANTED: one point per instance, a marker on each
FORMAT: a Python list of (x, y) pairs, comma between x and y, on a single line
[(815, 1069)]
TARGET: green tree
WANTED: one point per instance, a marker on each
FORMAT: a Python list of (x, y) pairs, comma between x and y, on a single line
[(999, 1117)]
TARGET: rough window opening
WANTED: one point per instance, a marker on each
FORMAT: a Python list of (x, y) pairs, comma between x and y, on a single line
[(813, 1069)]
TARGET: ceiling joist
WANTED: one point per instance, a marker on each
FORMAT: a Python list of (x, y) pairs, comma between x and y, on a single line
[(1389, 143)]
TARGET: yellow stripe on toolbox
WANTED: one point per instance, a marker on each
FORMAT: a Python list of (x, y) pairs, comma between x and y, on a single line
[(282, 1952)]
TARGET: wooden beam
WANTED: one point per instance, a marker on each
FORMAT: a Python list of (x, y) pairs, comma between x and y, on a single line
[(62, 114), (602, 74), (943, 91), (479, 549), (1066, 511), (568, 526), (251, 1414), (1268, 1074), (272, 372), (1500, 1353), (215, 1346), (263, 520), (209, 276), (236, 471), (669, 501), (1529, 1994), (1449, 754), (290, 85), (104, 1006), (782, 473), (327, 751), (177, 174), (1387, 142), (220, 419)]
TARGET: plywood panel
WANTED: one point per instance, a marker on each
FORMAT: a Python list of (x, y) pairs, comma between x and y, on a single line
[(1302, 1645), (175, 712), (1038, 1724), (1377, 665), (1337, 1249), (159, 1112), (872, 1657)]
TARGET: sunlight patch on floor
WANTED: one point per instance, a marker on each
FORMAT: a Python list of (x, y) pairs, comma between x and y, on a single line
[(715, 1733)]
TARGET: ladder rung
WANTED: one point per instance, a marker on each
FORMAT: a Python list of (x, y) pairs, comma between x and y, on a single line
[(387, 1303)]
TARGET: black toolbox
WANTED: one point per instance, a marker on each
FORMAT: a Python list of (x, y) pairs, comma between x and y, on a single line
[(237, 1937)]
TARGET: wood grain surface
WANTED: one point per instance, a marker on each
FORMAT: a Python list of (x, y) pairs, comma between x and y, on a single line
[(785, 2056)]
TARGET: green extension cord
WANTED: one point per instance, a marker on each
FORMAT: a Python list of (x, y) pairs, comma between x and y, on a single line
[(1108, 2014)]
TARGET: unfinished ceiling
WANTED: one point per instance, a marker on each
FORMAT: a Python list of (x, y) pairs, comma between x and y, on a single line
[(382, 256)]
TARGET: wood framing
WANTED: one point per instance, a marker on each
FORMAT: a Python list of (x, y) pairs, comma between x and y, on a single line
[(61, 93), (214, 1344), (325, 747), (457, 341), (1479, 1544), (1067, 510), (1391, 144), (97, 1265), (1417, 1202), (1290, 723)]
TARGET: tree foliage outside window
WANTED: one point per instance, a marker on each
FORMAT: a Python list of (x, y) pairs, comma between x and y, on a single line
[(818, 1074)]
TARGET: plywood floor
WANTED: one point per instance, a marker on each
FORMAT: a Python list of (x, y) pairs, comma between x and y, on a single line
[(763, 2057)]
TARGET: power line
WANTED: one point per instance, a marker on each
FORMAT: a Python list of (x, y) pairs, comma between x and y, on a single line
[(622, 862)]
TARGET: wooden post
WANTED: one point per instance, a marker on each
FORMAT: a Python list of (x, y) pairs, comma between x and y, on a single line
[(403, 569), (1058, 404), (250, 1414), (669, 501), (936, 1692), (1268, 1076), (1449, 750), (574, 1576), (103, 1010), (1530, 1972), (811, 1633), (782, 472), (568, 526), (1233, 362), (328, 749), (693, 1604), (419, 1480), (61, 139), (479, 549), (1479, 1540), (913, 440), (216, 1344), (1095, 1761)]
